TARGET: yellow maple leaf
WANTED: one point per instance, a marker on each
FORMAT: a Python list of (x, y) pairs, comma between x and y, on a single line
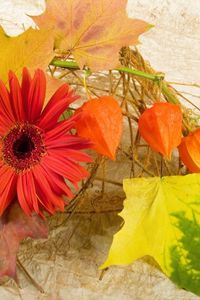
[(33, 49), (162, 219)]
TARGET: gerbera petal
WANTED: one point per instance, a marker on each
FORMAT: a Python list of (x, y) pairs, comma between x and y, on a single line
[(26, 192), (36, 96), (16, 97), (44, 202), (62, 127), (4, 126), (69, 170), (73, 155), (6, 110), (67, 141), (56, 106), (57, 182), (25, 87), (7, 188), (45, 188), (23, 195)]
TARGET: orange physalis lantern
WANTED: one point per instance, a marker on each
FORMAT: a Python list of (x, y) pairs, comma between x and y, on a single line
[(160, 126), (189, 151), (101, 123)]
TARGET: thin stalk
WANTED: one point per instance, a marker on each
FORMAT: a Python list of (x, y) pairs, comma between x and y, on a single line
[(74, 65), (157, 78), (168, 94), (153, 77), (29, 276), (64, 64)]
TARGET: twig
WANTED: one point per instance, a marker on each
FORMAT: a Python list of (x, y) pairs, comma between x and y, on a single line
[(73, 65), (185, 83), (102, 273), (108, 181), (72, 207), (29, 276)]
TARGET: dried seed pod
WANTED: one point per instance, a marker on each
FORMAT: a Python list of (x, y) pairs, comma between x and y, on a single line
[(161, 127), (189, 151), (101, 123)]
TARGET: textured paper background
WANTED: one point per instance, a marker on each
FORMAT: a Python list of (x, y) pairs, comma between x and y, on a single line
[(66, 265)]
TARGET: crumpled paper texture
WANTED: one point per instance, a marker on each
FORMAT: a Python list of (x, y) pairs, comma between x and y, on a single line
[(66, 265)]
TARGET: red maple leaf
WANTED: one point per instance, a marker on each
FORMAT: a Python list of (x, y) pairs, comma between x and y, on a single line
[(14, 227)]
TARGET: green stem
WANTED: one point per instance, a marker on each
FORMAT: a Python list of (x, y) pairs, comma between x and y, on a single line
[(74, 65), (157, 78), (168, 94), (64, 64)]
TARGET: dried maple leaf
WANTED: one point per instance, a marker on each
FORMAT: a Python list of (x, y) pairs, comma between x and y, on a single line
[(92, 30), (33, 49), (101, 123), (14, 227)]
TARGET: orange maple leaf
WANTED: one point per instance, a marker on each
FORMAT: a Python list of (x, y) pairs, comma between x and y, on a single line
[(92, 30)]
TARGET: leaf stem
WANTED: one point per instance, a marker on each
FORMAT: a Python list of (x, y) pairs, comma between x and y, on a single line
[(157, 78)]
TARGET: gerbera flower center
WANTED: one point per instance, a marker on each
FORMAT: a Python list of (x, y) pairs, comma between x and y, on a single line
[(23, 146)]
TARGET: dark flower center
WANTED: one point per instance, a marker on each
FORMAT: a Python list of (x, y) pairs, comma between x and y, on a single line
[(23, 147)]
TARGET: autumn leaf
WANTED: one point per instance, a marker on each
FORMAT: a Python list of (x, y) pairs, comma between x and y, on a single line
[(161, 127), (101, 123), (92, 30), (189, 151), (162, 219), (14, 227), (33, 49)]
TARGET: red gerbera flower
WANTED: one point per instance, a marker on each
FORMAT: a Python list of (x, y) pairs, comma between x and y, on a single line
[(37, 151)]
